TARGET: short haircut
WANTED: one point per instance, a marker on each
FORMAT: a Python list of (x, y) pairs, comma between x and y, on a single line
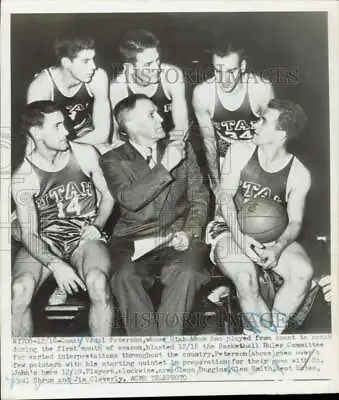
[(292, 118), (34, 114), (222, 49), (70, 47), (124, 106), (135, 42)]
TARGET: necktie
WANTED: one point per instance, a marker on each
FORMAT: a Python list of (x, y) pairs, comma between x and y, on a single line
[(149, 158)]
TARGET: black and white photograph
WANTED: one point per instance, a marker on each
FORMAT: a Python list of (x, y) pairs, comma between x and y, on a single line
[(171, 177)]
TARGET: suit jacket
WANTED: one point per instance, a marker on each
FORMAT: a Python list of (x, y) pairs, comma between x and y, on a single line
[(154, 201)]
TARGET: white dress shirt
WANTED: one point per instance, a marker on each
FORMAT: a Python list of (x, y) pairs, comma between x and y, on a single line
[(147, 151)]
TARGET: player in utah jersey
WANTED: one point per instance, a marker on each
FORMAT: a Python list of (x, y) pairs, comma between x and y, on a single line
[(61, 221), (144, 73), (227, 105), (264, 168), (79, 88)]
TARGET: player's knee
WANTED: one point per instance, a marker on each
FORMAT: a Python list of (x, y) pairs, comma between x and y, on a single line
[(97, 285), (303, 272), (22, 290)]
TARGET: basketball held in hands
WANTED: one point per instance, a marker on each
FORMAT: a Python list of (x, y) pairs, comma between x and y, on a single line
[(263, 219)]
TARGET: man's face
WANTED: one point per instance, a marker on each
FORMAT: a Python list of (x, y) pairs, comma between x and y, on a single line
[(145, 122), (82, 67), (228, 71), (266, 128), (147, 66), (53, 132)]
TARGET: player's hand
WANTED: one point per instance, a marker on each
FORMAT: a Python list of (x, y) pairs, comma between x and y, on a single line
[(251, 248), (174, 153), (89, 232), (269, 256), (325, 284), (180, 241), (66, 278)]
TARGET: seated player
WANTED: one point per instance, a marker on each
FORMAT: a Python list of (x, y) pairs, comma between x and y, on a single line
[(163, 204), (55, 193), (79, 88), (264, 168), (144, 73)]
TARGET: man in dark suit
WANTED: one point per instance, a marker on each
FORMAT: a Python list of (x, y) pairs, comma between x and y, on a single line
[(163, 205)]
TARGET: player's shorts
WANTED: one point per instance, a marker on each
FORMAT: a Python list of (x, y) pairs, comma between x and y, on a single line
[(63, 235), (216, 230)]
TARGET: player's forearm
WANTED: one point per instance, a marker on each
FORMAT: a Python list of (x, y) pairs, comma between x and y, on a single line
[(197, 196), (104, 210), (94, 137), (38, 248), (212, 160), (180, 119), (230, 214), (289, 235)]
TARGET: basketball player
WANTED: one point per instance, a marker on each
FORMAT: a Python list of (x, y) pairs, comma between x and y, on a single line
[(79, 88), (144, 73), (54, 190), (227, 105), (263, 168)]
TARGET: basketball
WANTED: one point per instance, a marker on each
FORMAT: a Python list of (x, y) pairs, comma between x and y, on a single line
[(263, 219)]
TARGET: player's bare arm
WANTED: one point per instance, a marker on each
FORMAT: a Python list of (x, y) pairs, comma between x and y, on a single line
[(174, 81), (39, 89), (24, 187), (101, 110), (201, 97), (301, 182), (117, 91), (90, 159), (236, 158)]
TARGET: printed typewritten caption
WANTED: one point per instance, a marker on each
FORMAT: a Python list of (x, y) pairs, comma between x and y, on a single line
[(84, 360)]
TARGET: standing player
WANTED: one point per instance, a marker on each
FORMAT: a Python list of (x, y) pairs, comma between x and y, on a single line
[(264, 169), (227, 105), (143, 73), (79, 88), (54, 190)]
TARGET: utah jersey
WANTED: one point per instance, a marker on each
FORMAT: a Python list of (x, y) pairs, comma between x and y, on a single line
[(65, 203), (232, 125), (77, 109), (255, 182)]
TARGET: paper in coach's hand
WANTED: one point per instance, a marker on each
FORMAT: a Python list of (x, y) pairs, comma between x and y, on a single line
[(144, 246)]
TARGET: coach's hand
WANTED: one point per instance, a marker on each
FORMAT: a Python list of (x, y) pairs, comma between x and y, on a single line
[(66, 278), (180, 241)]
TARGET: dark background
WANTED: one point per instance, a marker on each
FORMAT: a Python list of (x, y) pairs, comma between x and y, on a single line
[(292, 46)]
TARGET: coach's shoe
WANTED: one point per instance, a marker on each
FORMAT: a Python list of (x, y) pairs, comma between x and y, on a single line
[(59, 296)]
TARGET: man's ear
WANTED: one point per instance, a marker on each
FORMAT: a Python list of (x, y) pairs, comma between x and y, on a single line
[(282, 135), (65, 62), (243, 65), (35, 132), (128, 67), (131, 126)]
